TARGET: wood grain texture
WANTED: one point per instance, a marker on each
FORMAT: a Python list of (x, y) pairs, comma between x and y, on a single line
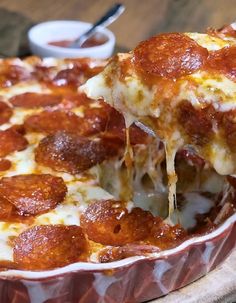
[(142, 18)]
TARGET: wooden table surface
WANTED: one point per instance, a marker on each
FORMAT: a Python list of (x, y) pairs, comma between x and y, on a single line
[(142, 18), (219, 286)]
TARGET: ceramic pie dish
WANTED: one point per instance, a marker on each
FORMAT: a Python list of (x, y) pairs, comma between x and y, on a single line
[(135, 279)]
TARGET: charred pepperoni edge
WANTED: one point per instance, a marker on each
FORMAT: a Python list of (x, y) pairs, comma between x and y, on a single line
[(11, 141), (5, 113), (161, 236), (109, 222), (152, 57), (33, 194), (223, 61), (32, 100), (71, 153), (9, 213), (50, 246), (165, 236)]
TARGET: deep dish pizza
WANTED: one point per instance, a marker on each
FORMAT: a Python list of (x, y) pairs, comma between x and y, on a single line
[(182, 86), (77, 185), (56, 149)]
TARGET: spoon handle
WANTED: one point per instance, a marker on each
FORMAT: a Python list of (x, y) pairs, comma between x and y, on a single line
[(111, 15)]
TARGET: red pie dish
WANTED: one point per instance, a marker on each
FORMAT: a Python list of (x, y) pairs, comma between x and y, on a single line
[(135, 279)]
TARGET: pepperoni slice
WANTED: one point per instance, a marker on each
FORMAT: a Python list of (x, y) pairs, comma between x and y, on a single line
[(69, 153), (223, 61), (5, 164), (88, 67), (50, 246), (116, 127), (43, 73), (12, 74), (77, 72), (9, 213), (33, 194), (69, 77), (19, 128), (111, 254), (11, 141), (165, 236), (95, 120), (109, 222), (5, 113), (96, 115), (6, 209), (197, 123), (51, 122), (32, 100), (113, 146), (169, 55), (73, 100)]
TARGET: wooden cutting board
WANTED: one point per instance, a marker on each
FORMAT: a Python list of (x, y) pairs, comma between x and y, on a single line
[(219, 286)]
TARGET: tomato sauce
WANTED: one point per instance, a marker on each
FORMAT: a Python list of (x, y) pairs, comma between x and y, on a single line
[(91, 42)]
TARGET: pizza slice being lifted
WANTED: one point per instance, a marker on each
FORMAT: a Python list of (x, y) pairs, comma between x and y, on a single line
[(183, 87)]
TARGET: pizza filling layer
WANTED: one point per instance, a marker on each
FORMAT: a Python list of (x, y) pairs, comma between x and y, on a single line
[(182, 86), (72, 190)]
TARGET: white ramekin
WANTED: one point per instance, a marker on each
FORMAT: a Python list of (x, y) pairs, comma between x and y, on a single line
[(41, 34)]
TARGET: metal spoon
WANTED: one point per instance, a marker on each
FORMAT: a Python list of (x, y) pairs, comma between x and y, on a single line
[(111, 15)]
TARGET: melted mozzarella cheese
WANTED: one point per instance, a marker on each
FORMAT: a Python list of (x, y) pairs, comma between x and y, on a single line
[(131, 93), (195, 204), (128, 93), (211, 43), (82, 189), (21, 88), (213, 89), (8, 231)]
